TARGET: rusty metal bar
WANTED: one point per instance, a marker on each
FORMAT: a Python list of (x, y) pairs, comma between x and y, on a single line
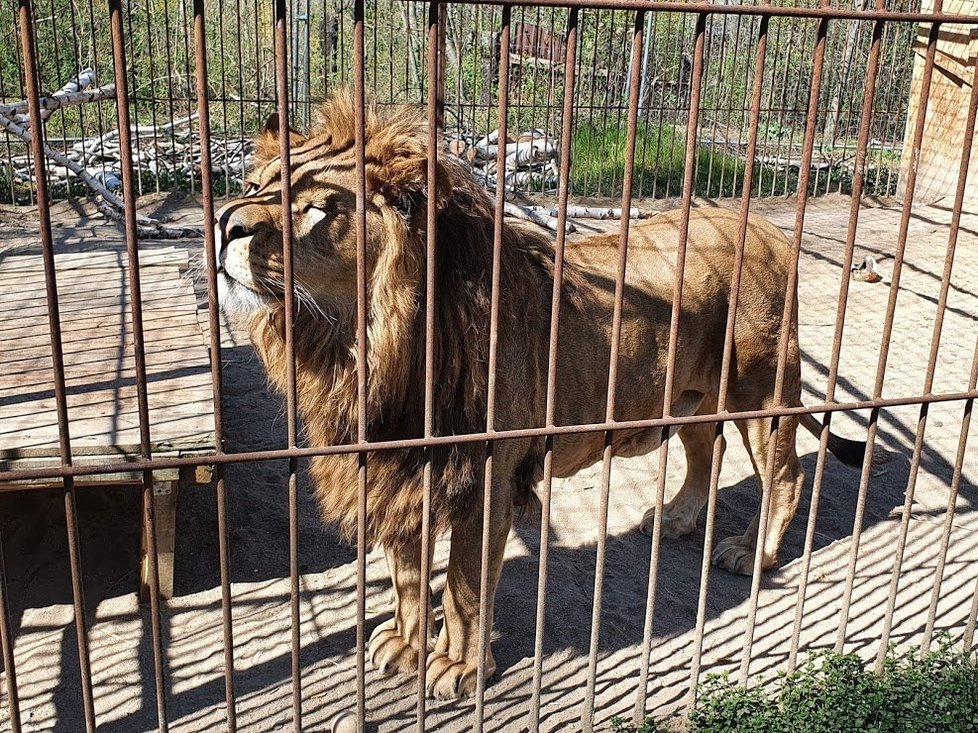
[(858, 182), (546, 484), (587, 722), (139, 347), (952, 242), (485, 623), (7, 646), (32, 93), (431, 242), (676, 6), (968, 639), (689, 179), (32, 474), (919, 124), (791, 289), (949, 514), (719, 442), (291, 420), (214, 331), (362, 358)]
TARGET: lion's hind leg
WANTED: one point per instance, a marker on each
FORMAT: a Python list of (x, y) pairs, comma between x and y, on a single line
[(394, 644), (680, 513), (736, 554)]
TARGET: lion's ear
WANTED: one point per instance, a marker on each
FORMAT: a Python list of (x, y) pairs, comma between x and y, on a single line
[(268, 144), (403, 181)]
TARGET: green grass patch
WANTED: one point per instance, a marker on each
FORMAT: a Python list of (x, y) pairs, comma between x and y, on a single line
[(835, 693), (598, 165), (598, 168)]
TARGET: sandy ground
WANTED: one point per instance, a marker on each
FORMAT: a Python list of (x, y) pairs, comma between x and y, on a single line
[(34, 541)]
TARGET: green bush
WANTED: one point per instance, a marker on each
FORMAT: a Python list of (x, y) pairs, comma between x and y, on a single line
[(834, 693)]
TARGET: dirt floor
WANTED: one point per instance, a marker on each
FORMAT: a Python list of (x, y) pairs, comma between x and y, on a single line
[(34, 541)]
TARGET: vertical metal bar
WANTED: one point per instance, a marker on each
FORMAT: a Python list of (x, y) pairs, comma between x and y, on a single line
[(440, 97), (152, 75), (7, 645), (587, 722), (689, 178), (431, 236), (567, 122), (791, 291), (285, 169), (888, 328), (968, 639), (134, 84), (719, 442), (214, 328), (497, 248), (139, 346), (224, 103), (29, 53), (362, 359), (858, 184), (952, 241), (949, 514), (239, 35), (185, 27)]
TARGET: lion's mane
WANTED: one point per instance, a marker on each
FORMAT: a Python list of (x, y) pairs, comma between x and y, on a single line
[(325, 348)]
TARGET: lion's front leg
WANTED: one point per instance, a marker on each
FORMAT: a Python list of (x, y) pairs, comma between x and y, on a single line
[(453, 667), (394, 645)]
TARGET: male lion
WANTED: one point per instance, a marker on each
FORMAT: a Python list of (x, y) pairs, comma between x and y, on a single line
[(324, 206)]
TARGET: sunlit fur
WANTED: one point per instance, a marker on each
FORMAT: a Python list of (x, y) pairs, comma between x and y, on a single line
[(325, 344)]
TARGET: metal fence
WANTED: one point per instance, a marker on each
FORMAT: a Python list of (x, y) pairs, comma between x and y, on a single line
[(758, 28), (242, 90)]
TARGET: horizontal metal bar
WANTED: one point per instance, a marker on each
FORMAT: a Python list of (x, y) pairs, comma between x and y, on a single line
[(674, 6), (30, 474)]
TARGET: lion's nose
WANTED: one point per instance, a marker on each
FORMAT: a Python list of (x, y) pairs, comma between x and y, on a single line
[(237, 226)]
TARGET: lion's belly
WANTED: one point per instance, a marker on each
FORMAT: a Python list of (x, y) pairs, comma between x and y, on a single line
[(573, 453)]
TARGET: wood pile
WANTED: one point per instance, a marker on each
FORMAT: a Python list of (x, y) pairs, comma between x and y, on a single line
[(96, 162), (530, 162), (173, 151)]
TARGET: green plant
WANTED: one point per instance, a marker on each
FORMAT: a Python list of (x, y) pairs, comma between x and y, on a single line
[(835, 693)]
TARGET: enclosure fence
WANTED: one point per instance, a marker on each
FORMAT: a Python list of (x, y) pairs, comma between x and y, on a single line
[(242, 90), (752, 79)]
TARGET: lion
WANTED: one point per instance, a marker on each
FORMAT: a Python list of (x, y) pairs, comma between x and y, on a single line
[(323, 182)]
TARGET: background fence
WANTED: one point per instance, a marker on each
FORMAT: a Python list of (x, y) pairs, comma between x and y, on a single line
[(71, 35)]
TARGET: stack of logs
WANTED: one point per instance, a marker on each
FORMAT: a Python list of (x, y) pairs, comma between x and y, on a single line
[(173, 150), (530, 162), (89, 161)]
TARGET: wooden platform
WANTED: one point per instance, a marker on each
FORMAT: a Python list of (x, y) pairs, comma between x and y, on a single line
[(97, 335)]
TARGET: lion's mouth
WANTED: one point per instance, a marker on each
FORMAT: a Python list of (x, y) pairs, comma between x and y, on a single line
[(236, 297)]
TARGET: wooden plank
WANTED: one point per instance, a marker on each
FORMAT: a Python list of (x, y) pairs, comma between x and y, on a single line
[(99, 356)]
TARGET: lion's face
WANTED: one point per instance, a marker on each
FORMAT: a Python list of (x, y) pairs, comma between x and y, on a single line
[(323, 212)]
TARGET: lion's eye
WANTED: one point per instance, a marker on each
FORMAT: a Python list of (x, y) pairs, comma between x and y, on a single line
[(318, 212)]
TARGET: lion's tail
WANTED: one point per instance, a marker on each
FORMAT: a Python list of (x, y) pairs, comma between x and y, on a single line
[(850, 452)]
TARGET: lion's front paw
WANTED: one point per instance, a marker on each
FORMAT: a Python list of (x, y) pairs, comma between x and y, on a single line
[(675, 524), (448, 679), (389, 652), (736, 555)]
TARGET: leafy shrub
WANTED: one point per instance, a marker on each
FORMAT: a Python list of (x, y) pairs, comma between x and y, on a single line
[(835, 693)]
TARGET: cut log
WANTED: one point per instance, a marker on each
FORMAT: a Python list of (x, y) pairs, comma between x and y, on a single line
[(529, 214)]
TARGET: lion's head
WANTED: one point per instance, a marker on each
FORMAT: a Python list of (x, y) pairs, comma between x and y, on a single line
[(323, 177)]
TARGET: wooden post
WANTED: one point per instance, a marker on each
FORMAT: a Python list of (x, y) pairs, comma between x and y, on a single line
[(165, 502)]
